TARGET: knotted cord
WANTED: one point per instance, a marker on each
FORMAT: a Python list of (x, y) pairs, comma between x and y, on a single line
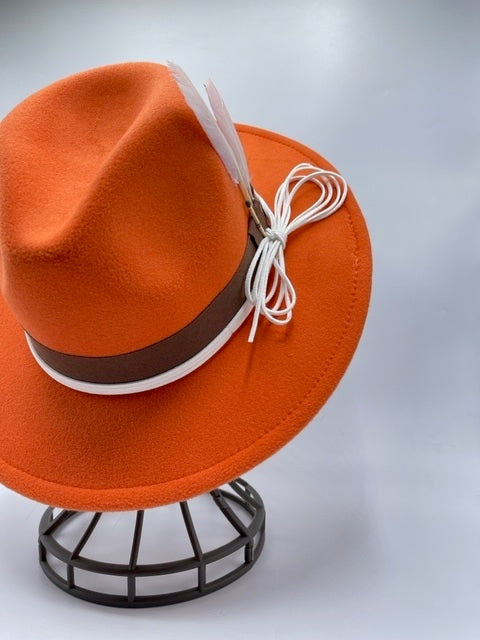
[(276, 300)]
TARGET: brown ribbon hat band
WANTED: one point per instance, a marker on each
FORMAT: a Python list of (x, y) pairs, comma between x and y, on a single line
[(166, 360)]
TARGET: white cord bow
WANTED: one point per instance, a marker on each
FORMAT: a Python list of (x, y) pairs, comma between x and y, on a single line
[(270, 253)]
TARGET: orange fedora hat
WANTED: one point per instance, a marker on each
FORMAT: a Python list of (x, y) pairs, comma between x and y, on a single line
[(176, 305)]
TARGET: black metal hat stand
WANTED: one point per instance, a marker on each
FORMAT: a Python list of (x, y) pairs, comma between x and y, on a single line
[(64, 537)]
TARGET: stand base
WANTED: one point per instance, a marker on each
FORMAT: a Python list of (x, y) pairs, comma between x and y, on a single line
[(150, 584)]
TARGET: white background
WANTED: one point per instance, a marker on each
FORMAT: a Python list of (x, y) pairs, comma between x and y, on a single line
[(374, 510)]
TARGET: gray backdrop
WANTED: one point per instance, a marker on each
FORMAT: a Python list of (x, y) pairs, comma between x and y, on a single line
[(374, 509)]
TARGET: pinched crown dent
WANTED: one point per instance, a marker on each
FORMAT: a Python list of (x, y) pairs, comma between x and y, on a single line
[(119, 223)]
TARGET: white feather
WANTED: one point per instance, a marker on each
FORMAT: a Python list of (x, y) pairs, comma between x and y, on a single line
[(225, 122), (207, 121)]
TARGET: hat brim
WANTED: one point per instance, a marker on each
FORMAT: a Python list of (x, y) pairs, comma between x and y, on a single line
[(98, 453)]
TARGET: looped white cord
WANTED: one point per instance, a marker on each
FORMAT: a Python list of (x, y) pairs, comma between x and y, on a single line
[(276, 234), (270, 253)]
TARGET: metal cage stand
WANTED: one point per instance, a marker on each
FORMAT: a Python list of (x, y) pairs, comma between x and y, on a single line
[(62, 562)]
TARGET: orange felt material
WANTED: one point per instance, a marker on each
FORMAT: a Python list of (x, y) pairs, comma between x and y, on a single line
[(90, 168), (119, 224)]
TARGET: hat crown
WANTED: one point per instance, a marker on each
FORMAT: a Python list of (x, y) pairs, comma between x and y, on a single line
[(119, 223)]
